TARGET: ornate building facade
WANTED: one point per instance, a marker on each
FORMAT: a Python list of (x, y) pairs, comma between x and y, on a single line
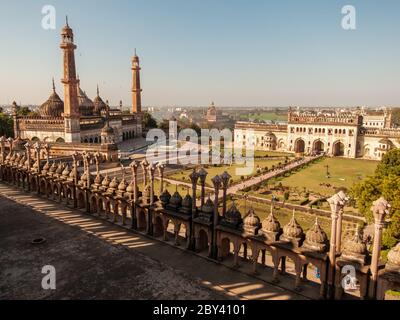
[(210, 227), (77, 119), (350, 134)]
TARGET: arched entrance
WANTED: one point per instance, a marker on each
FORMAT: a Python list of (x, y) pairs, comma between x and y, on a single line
[(318, 146), (202, 243), (299, 146), (338, 149)]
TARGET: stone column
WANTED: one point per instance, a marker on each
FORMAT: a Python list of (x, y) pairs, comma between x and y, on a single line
[(203, 175), (144, 165), (2, 149), (152, 170), (134, 167), (379, 209), (339, 231), (161, 169), (47, 148), (339, 225), (217, 181), (36, 146), (194, 178), (86, 159), (226, 177), (336, 203), (75, 160)]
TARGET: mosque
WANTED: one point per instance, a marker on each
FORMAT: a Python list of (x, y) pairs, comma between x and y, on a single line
[(77, 119)]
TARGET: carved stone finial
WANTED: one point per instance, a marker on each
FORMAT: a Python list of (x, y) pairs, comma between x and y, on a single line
[(380, 208)]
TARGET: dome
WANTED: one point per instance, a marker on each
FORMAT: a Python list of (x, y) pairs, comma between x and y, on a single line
[(107, 130), (251, 223), (106, 181), (316, 234), (176, 199), (271, 224), (252, 220), (316, 239), (72, 173), (208, 207), (233, 216), (99, 104), (130, 188), (18, 144), (86, 106), (113, 184), (66, 171), (394, 255), (165, 197), (98, 179), (60, 169), (187, 202), (122, 185), (53, 168), (293, 229), (356, 245), (46, 167), (53, 107)]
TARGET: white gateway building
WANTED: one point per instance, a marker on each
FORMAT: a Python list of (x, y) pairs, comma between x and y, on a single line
[(350, 134)]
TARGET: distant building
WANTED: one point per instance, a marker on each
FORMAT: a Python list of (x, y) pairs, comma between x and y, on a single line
[(214, 118), (78, 119), (350, 134)]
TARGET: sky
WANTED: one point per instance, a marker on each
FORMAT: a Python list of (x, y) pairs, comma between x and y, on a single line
[(233, 52)]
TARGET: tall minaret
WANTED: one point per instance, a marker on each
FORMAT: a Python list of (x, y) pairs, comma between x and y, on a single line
[(136, 90), (71, 107)]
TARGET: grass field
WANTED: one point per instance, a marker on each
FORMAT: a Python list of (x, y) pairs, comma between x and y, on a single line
[(343, 173), (213, 171), (265, 154)]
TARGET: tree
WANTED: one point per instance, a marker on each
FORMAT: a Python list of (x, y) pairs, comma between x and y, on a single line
[(149, 121), (385, 182), (6, 125)]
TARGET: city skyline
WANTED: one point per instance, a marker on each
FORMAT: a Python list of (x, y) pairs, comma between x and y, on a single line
[(190, 53)]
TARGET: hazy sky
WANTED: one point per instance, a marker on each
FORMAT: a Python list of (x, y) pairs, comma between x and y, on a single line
[(233, 52)]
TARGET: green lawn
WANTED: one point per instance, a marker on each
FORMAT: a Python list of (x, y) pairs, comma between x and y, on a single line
[(343, 173), (265, 154), (213, 171)]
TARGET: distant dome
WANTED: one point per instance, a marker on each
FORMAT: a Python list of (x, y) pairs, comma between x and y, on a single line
[(86, 106), (99, 104), (53, 107), (107, 130)]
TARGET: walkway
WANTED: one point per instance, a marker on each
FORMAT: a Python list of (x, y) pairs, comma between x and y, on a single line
[(223, 281)]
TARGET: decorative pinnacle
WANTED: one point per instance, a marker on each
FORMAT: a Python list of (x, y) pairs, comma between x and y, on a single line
[(54, 86), (98, 91), (66, 20)]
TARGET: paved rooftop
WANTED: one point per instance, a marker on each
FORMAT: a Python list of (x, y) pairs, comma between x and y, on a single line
[(97, 260)]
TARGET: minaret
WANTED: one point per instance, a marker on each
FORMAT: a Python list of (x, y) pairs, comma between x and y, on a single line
[(14, 109), (71, 107), (136, 90)]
